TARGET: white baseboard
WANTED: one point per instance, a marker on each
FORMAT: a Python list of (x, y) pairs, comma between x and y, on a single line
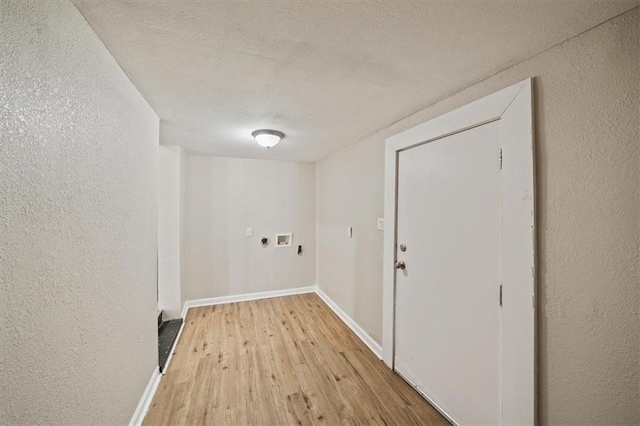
[(244, 297), (147, 397), (359, 331)]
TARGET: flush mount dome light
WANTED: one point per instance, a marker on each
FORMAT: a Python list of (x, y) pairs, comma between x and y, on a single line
[(267, 138)]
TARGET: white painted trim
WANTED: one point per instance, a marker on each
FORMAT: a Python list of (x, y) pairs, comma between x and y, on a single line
[(244, 297), (512, 106), (147, 397), (173, 347), (359, 331)]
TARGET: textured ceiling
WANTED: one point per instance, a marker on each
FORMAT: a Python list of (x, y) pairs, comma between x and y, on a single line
[(325, 73)]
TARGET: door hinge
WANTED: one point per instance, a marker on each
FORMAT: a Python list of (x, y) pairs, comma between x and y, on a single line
[(500, 153), (500, 294)]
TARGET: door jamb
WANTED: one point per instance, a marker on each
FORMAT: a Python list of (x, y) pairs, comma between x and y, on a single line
[(511, 106)]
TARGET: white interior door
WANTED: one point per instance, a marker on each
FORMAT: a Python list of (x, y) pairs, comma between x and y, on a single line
[(448, 315), (467, 219)]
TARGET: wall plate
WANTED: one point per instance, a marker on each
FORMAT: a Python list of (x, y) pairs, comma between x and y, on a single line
[(283, 240)]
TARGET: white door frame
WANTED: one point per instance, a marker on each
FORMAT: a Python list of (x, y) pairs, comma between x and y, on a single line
[(513, 108)]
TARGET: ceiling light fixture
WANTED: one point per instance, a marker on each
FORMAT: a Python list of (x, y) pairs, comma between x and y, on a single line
[(267, 138)]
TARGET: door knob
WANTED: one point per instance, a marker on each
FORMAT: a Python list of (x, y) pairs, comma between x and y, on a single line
[(400, 265)]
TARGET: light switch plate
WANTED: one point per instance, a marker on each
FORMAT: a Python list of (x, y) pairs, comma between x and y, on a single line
[(249, 232), (380, 224)]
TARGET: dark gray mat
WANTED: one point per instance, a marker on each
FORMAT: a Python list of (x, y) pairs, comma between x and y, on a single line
[(167, 333)]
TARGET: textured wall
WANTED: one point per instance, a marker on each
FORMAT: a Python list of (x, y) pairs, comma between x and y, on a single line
[(170, 159), (588, 162), (224, 196), (78, 155)]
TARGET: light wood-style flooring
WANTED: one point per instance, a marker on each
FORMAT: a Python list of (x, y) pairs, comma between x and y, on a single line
[(280, 361)]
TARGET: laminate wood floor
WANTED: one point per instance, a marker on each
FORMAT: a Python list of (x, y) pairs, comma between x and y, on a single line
[(280, 361)]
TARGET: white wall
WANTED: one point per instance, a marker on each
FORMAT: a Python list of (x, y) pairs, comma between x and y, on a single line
[(224, 196), (78, 156), (350, 188), (169, 227), (587, 133)]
